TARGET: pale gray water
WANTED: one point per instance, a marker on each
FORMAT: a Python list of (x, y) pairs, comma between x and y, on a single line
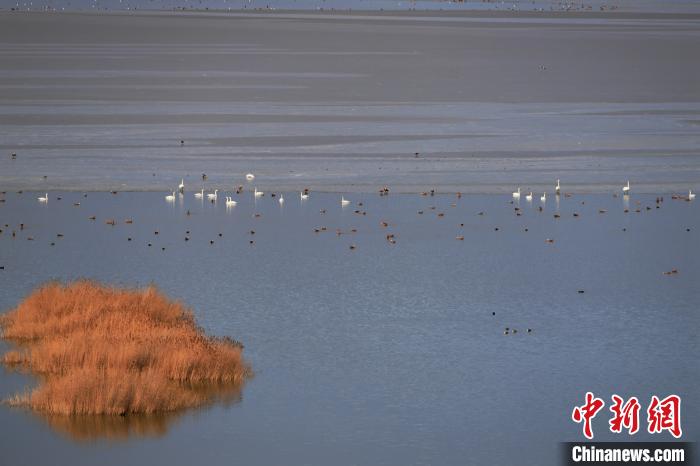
[(386, 354), (342, 102), (650, 6)]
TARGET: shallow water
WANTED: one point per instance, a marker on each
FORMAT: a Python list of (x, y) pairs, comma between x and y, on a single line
[(343, 102), (653, 6), (384, 354)]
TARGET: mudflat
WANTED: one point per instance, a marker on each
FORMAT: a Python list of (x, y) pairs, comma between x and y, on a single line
[(468, 101)]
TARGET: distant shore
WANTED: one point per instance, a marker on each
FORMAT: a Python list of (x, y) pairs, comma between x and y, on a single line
[(361, 14)]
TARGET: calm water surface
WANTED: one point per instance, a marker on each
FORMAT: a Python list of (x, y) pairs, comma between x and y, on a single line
[(343, 102), (385, 354)]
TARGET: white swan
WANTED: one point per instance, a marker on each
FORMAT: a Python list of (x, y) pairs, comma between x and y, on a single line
[(213, 196), (303, 196), (516, 194), (557, 188), (529, 197), (343, 201), (257, 193), (230, 202), (626, 189), (181, 186), (43, 199), (281, 201), (250, 177), (170, 197), (543, 197), (200, 194), (691, 195)]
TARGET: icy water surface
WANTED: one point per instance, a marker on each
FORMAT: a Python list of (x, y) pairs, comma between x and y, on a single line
[(386, 353)]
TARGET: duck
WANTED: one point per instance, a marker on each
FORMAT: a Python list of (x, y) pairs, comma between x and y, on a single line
[(170, 197), (213, 196), (257, 193), (43, 199), (626, 189), (529, 197), (516, 194), (200, 194)]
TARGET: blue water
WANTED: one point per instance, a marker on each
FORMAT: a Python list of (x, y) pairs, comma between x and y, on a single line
[(386, 353)]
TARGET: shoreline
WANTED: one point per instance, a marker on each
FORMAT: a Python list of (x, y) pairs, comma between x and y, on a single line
[(642, 189)]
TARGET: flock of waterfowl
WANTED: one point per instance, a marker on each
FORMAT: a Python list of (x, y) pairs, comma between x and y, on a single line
[(304, 195), (390, 236), (557, 191), (229, 201)]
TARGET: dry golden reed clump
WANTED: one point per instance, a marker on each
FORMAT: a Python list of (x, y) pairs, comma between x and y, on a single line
[(105, 350)]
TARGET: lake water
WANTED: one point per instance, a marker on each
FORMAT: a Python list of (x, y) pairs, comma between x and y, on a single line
[(343, 102), (386, 353), (650, 6)]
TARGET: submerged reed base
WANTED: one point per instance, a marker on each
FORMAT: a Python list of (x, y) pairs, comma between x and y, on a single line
[(101, 350)]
